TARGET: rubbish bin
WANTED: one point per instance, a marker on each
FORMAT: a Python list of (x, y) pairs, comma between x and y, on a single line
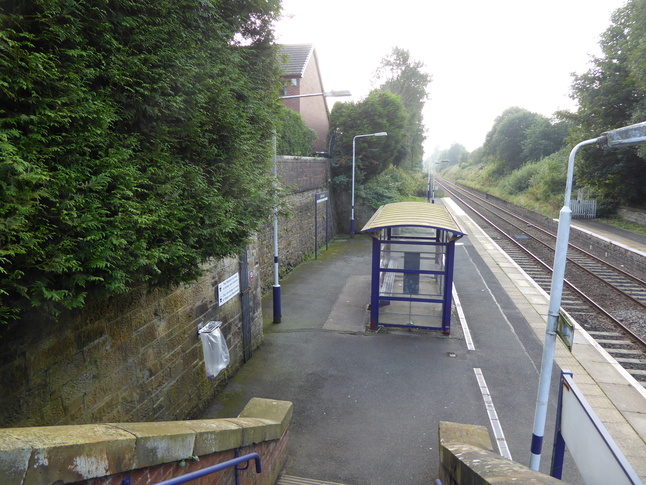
[(214, 345)]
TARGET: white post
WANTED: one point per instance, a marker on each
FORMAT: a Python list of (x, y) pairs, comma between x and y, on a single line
[(621, 137), (352, 209), (276, 288), (556, 291)]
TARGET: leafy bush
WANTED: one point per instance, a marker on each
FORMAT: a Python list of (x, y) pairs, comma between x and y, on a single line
[(520, 180), (549, 180), (392, 185), (380, 111), (294, 137), (134, 143)]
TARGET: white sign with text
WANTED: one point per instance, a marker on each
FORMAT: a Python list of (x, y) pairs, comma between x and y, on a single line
[(228, 289)]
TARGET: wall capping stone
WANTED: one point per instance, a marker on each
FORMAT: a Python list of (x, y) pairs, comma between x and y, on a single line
[(79, 452), (467, 456)]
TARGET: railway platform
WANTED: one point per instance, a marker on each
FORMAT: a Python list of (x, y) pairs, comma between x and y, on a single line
[(367, 404), (613, 235), (617, 398)]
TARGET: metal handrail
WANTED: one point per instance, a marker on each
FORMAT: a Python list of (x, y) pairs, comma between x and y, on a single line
[(215, 468)]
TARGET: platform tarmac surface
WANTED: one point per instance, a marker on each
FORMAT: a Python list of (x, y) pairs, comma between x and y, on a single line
[(367, 404)]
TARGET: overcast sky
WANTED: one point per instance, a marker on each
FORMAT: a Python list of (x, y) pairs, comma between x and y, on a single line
[(484, 56)]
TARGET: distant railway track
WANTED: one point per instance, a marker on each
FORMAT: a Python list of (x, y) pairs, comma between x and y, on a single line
[(604, 298)]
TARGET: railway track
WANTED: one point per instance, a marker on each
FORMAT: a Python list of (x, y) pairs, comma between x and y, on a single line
[(604, 298)]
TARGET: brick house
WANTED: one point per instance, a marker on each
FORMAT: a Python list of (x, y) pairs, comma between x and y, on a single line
[(302, 76)]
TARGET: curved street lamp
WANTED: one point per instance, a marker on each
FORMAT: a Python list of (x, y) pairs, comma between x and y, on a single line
[(621, 137), (327, 94), (381, 133)]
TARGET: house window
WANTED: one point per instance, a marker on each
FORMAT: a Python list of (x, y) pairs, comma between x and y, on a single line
[(287, 83)]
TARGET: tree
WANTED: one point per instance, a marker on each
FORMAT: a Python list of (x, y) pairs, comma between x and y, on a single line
[(135, 143), (455, 155), (405, 77), (504, 142), (611, 94), (379, 111), (543, 138)]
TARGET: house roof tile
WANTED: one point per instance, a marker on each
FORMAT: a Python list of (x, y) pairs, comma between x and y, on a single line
[(294, 58)]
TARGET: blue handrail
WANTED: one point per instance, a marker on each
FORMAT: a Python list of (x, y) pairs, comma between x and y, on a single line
[(215, 468)]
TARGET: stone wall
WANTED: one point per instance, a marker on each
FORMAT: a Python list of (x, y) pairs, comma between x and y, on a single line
[(302, 178), (138, 357), (638, 216), (467, 457), (134, 358), (146, 453), (343, 210)]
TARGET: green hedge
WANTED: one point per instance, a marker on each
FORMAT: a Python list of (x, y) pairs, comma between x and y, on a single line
[(134, 143)]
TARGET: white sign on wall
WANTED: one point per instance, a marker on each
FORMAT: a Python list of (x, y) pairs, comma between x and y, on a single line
[(228, 289)]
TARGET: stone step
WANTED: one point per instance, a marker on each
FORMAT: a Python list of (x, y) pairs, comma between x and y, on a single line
[(289, 480)]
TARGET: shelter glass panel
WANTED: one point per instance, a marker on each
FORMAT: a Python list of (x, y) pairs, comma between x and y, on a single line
[(412, 275)]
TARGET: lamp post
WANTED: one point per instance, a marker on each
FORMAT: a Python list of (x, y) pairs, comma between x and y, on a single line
[(381, 133), (327, 94), (626, 136), (276, 287)]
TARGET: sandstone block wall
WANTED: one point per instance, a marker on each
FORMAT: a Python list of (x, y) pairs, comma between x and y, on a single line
[(138, 357), (146, 453), (303, 177), (638, 216), (135, 358), (467, 457)]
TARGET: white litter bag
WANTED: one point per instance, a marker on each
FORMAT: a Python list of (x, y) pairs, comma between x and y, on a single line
[(214, 345)]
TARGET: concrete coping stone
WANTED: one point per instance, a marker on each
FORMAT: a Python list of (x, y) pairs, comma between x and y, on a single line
[(80, 452), (467, 456)]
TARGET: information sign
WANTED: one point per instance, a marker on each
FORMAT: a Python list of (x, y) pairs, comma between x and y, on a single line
[(228, 289)]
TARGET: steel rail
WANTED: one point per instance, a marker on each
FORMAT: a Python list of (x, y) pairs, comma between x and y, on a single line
[(621, 272), (571, 286)]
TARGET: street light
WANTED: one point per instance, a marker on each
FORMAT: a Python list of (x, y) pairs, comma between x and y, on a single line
[(381, 133), (276, 287), (327, 94), (626, 136), (430, 193)]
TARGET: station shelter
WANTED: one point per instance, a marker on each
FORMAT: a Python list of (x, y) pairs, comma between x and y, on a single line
[(413, 248)]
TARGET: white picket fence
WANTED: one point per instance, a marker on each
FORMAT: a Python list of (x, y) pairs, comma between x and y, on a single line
[(584, 209)]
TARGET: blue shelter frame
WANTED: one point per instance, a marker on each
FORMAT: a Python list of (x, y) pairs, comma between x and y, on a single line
[(413, 251)]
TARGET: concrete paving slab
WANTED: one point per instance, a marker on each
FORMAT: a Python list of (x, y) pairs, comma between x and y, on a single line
[(349, 311), (367, 404)]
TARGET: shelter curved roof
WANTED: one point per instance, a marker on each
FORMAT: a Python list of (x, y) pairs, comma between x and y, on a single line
[(413, 214)]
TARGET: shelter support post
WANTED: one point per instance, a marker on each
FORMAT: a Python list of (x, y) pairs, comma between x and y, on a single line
[(448, 287), (374, 292)]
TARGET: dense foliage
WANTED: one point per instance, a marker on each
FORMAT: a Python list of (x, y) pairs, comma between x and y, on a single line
[(392, 185), (454, 155), (294, 137), (519, 136), (134, 142), (610, 95), (379, 111), (406, 77)]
